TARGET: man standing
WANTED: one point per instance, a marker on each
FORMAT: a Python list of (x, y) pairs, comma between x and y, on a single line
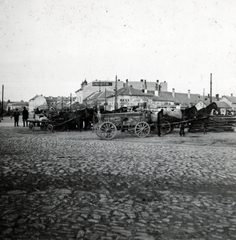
[(25, 116), (16, 115)]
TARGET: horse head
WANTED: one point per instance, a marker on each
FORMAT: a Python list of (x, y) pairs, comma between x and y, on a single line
[(210, 107)]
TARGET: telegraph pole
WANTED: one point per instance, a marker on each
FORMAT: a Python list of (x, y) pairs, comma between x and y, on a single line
[(211, 88), (70, 101), (2, 99), (115, 104), (105, 99)]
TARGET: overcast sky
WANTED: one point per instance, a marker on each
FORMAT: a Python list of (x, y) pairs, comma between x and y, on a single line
[(50, 46)]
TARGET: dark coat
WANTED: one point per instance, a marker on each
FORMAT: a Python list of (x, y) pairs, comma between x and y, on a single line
[(16, 115), (25, 114)]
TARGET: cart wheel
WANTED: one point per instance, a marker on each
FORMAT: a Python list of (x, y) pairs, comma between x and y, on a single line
[(96, 130), (50, 127), (107, 130), (142, 129), (165, 128), (31, 126)]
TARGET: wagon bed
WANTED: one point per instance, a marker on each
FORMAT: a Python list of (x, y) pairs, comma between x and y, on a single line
[(109, 123), (136, 123)]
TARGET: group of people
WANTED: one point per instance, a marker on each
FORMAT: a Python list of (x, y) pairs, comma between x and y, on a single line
[(16, 116)]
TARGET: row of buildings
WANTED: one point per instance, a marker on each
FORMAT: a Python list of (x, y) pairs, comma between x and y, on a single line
[(149, 94), (116, 94)]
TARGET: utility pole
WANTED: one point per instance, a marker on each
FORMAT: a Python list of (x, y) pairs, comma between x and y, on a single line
[(105, 99), (70, 101), (2, 99), (115, 104), (211, 88)]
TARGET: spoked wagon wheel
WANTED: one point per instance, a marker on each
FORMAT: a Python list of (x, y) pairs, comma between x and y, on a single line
[(31, 126), (165, 128), (96, 130), (50, 127), (142, 129), (107, 130)]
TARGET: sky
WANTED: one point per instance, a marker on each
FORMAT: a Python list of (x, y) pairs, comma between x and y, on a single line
[(49, 47)]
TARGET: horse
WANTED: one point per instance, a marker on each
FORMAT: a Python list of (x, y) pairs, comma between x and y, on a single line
[(79, 119), (181, 116), (188, 114), (204, 113)]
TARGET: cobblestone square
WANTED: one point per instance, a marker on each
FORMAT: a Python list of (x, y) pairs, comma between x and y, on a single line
[(71, 185)]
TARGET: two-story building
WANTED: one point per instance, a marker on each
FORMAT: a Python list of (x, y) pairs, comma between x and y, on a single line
[(101, 85)]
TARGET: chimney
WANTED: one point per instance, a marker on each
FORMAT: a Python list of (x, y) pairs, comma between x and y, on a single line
[(231, 94), (188, 94), (127, 82), (173, 92), (142, 85), (145, 86), (157, 88), (217, 97)]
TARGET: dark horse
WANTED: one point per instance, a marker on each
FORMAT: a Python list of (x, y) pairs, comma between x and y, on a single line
[(179, 117), (203, 114), (79, 119), (188, 114)]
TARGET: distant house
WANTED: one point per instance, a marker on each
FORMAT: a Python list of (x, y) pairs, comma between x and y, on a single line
[(19, 105), (128, 97), (179, 100), (60, 103), (223, 107), (230, 100), (43, 103), (39, 101)]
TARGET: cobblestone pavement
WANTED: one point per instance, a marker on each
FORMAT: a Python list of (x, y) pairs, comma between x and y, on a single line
[(71, 185)]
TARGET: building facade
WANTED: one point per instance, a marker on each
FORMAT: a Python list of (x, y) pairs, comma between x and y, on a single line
[(99, 85)]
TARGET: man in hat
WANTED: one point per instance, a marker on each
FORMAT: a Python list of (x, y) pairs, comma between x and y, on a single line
[(16, 115), (25, 116)]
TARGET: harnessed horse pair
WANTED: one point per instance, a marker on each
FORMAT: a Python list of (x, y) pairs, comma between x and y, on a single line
[(186, 116)]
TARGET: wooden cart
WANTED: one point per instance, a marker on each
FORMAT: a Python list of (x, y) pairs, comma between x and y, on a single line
[(136, 123)]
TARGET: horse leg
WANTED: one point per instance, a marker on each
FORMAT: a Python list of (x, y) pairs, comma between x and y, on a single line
[(159, 122), (181, 132), (205, 126)]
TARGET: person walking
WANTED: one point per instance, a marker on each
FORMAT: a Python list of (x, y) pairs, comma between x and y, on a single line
[(25, 116), (16, 115)]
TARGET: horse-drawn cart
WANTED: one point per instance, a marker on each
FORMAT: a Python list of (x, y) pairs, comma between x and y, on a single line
[(136, 123), (44, 123)]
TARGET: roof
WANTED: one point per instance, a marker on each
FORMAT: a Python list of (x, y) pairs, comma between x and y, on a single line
[(231, 98), (99, 95), (130, 91), (221, 104), (180, 98), (20, 104), (36, 97)]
